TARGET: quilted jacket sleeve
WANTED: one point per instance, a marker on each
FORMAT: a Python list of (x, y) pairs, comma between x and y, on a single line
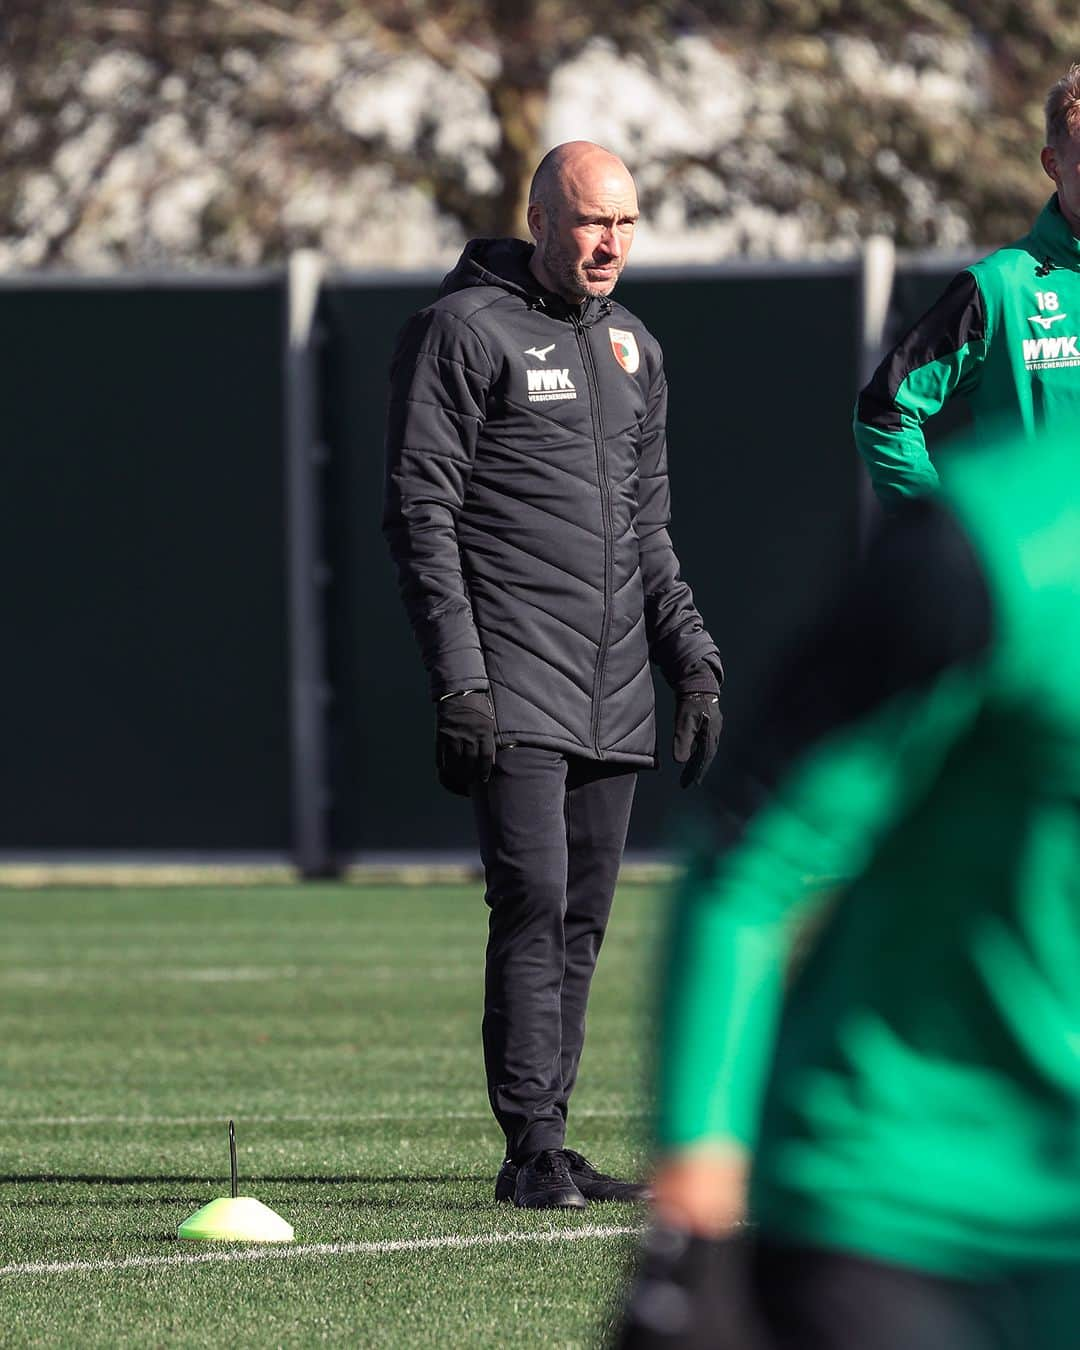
[(439, 379), (676, 631)]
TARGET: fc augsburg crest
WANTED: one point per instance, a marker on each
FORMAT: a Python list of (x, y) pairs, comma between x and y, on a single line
[(624, 345)]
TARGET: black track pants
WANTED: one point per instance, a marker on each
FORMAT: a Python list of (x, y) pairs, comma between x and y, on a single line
[(753, 1294), (825, 1300), (552, 830)]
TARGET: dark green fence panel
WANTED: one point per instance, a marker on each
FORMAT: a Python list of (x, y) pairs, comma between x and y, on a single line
[(141, 545), (763, 475), (760, 365), (385, 797)]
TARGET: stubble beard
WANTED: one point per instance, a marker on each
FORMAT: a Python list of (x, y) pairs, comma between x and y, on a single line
[(571, 277)]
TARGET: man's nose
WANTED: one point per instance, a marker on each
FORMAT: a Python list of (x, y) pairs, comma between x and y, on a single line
[(610, 242)]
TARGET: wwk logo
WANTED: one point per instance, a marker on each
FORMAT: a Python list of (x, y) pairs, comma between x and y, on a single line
[(549, 386), (1048, 353)]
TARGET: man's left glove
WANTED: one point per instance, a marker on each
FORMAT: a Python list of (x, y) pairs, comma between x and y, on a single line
[(698, 720), (465, 740)]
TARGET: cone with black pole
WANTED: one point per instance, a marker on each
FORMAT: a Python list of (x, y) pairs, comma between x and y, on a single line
[(236, 1218)]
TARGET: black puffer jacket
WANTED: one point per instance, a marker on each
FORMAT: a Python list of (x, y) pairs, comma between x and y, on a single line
[(527, 509)]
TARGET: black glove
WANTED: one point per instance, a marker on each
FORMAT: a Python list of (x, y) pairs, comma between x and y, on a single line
[(690, 1293), (465, 740), (698, 720)]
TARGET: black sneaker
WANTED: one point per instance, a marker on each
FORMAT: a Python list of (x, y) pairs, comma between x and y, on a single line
[(504, 1182), (595, 1185), (544, 1183), (592, 1184)]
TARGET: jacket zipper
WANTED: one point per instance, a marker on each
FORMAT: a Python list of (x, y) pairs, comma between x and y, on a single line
[(609, 531)]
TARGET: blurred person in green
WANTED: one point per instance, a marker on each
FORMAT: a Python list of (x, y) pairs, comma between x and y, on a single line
[(901, 1128), (1005, 334)]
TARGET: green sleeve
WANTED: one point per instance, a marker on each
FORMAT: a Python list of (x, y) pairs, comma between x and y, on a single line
[(895, 455), (734, 917), (939, 356)]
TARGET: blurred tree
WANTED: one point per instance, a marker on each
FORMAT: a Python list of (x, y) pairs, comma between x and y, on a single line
[(509, 48), (231, 130), (520, 45)]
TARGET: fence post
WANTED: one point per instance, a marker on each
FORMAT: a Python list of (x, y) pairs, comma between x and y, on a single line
[(877, 268), (307, 573)]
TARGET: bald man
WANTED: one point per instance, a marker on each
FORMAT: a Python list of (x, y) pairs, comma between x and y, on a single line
[(527, 513)]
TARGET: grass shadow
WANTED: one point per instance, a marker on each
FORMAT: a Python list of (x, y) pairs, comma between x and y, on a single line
[(351, 1178)]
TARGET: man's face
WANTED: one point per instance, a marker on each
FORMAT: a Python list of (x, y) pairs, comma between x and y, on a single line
[(583, 235), (1062, 164)]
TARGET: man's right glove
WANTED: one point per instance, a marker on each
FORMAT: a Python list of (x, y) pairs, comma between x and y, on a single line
[(465, 740)]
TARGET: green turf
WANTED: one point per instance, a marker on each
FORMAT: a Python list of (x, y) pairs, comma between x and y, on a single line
[(340, 1027)]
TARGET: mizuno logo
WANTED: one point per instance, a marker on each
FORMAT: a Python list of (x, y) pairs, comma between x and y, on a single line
[(541, 353), (1045, 320), (1047, 351), (549, 386)]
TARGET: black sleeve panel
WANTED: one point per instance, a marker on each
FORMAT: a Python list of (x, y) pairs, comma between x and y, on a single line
[(957, 319), (918, 605)]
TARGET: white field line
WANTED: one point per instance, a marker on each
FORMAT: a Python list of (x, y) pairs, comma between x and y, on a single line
[(285, 1252), (57, 976), (373, 1117)]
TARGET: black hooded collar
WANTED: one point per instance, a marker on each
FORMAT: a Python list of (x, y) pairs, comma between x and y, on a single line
[(505, 263)]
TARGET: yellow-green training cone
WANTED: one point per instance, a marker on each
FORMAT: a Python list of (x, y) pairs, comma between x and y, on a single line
[(239, 1219)]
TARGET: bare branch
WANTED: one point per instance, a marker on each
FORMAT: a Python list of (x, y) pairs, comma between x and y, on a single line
[(269, 19)]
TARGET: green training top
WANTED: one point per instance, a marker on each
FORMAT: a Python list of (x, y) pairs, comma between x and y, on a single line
[(923, 1105), (1005, 334)]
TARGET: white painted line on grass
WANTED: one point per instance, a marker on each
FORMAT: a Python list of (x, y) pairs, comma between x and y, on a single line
[(285, 1252), (373, 1117), (55, 977)]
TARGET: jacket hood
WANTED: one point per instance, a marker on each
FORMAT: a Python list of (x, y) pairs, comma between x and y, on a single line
[(493, 262), (505, 263)]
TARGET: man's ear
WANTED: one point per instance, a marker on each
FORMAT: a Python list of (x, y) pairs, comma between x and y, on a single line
[(536, 220), (1048, 158)]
